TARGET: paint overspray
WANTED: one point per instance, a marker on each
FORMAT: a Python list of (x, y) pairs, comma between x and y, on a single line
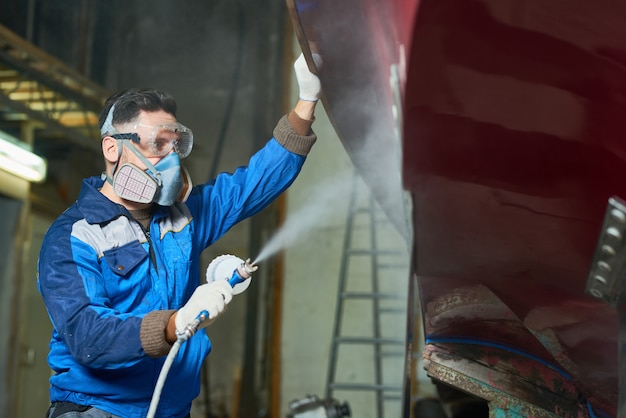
[(323, 198), (321, 203)]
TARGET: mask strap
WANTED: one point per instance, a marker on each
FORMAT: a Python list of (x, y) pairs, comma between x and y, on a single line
[(108, 129), (104, 175), (151, 168), (123, 142)]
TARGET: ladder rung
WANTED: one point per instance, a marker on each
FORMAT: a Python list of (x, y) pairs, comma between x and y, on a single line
[(393, 310), (392, 266)]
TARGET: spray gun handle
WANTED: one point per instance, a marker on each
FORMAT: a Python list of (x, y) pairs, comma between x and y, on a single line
[(192, 327), (235, 279)]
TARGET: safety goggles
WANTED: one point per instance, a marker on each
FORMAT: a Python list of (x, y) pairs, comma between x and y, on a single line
[(161, 140)]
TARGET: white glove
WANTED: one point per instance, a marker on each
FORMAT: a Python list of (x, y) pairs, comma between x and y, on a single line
[(211, 297), (309, 83)]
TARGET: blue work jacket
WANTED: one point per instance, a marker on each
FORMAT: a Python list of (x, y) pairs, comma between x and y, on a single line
[(98, 281)]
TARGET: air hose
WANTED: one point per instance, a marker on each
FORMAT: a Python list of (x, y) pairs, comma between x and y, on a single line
[(225, 267)]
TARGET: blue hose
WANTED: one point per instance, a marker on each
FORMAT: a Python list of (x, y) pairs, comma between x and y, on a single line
[(472, 341)]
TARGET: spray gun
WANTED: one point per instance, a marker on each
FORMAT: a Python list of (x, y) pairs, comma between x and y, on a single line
[(231, 268), (225, 267)]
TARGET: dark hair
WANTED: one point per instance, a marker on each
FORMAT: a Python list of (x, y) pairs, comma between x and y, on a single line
[(128, 104)]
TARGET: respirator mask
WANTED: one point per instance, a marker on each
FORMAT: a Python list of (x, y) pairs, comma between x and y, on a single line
[(164, 182)]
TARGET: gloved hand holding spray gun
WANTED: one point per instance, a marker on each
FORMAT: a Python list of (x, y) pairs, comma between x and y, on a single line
[(226, 276)]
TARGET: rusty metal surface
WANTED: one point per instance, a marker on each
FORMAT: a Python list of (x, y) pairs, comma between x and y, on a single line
[(492, 374)]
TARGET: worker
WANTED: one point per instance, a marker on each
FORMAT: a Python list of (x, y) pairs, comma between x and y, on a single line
[(119, 269)]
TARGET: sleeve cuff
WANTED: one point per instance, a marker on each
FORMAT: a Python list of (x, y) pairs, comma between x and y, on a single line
[(287, 134), (301, 126), (152, 333)]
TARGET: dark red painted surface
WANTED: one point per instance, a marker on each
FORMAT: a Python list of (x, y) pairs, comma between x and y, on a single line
[(512, 145)]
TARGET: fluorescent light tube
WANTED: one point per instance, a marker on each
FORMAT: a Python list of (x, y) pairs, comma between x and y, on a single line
[(17, 159)]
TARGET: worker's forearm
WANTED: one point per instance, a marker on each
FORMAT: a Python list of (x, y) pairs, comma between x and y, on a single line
[(170, 330), (305, 109), (158, 332)]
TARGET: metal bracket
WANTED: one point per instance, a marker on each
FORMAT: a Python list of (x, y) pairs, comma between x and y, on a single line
[(608, 267)]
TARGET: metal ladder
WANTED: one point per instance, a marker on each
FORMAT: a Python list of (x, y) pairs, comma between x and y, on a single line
[(369, 244)]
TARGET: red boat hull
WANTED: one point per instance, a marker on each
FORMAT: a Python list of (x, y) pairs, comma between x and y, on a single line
[(507, 116)]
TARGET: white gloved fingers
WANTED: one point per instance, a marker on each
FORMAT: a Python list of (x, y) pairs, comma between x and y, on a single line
[(300, 64), (188, 313), (211, 297), (215, 303), (308, 83), (224, 288)]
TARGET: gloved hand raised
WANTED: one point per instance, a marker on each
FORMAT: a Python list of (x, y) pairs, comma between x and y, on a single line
[(308, 83), (211, 297)]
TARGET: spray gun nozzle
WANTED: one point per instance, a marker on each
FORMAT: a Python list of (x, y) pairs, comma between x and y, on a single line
[(247, 268)]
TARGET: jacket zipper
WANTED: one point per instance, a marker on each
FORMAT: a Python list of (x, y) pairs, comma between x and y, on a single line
[(152, 253)]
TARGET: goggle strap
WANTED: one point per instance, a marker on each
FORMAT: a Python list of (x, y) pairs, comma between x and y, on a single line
[(107, 126), (129, 136)]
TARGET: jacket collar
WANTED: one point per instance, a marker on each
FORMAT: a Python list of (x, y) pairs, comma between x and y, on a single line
[(98, 209)]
